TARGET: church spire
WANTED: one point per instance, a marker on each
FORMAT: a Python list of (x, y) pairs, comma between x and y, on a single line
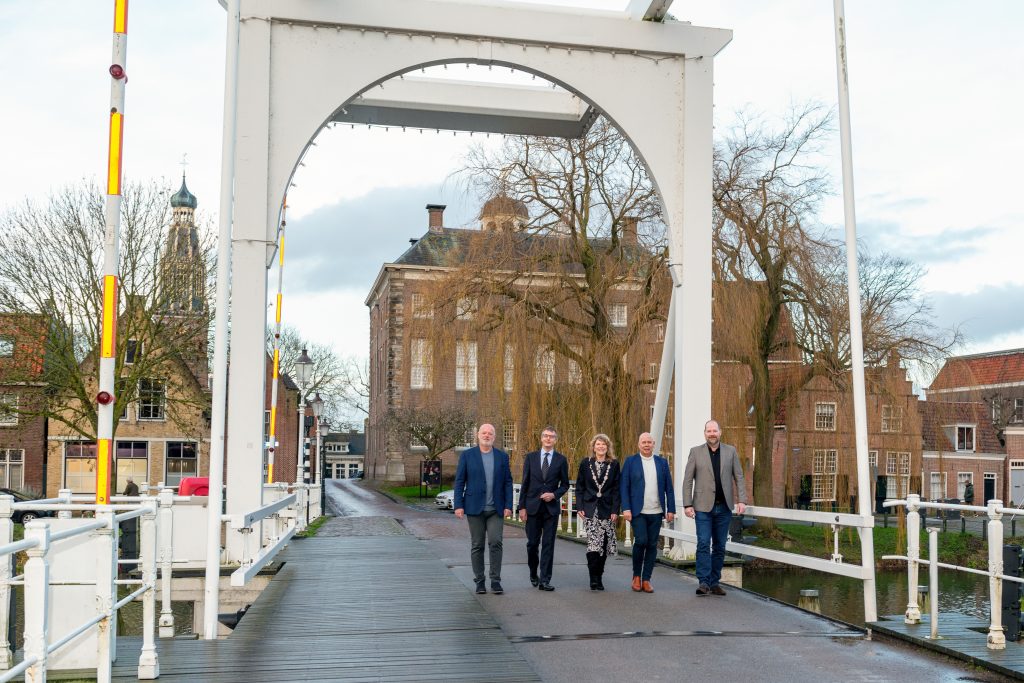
[(182, 264)]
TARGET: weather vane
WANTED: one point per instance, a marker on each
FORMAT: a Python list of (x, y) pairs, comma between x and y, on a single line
[(184, 163)]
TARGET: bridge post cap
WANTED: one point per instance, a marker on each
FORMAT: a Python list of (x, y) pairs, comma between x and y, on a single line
[(808, 592)]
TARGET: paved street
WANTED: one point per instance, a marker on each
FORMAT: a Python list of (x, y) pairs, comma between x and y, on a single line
[(574, 633)]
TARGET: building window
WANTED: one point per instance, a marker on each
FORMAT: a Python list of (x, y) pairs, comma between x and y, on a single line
[(131, 460), (659, 330), (465, 308), (997, 410), (152, 399), (421, 376), (510, 367), (80, 466), (652, 370), (897, 474), (961, 483), (132, 351), (1018, 410), (420, 307), (575, 374), (544, 369), (965, 438), (617, 315), (509, 435), (937, 486), (892, 419), (825, 417), (182, 461), (465, 366), (12, 468), (823, 484), (6, 347), (469, 439), (8, 410), (872, 458)]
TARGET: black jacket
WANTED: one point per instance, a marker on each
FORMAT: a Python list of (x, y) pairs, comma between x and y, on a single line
[(586, 490), (534, 484)]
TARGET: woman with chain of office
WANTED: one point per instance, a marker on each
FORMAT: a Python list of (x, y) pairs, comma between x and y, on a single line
[(598, 499)]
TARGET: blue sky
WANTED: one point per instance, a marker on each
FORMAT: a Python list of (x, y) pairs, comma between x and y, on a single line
[(937, 92)]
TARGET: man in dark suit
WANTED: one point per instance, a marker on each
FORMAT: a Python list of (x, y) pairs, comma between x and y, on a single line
[(711, 470), (545, 481), (483, 495), (647, 498)]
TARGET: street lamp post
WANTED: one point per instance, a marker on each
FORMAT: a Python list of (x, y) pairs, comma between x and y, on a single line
[(323, 430), (318, 407), (303, 373)]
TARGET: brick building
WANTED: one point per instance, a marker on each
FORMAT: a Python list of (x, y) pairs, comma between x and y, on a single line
[(487, 373), (995, 379), (23, 340), (344, 454), (961, 445)]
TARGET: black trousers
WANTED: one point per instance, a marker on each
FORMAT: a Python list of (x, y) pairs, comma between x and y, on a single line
[(540, 533)]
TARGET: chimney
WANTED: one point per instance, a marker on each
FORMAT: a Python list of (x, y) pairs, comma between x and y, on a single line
[(436, 217), (629, 230)]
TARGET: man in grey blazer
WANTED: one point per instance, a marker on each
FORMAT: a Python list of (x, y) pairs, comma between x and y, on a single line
[(711, 470)]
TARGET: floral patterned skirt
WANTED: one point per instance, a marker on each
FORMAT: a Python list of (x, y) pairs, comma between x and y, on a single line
[(600, 536)]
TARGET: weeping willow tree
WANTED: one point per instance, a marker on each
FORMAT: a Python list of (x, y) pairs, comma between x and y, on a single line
[(558, 299)]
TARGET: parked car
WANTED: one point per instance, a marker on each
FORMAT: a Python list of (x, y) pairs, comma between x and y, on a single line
[(23, 516), (445, 500)]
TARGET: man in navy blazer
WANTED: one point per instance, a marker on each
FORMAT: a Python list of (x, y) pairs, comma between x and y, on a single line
[(483, 495), (545, 481), (647, 498)]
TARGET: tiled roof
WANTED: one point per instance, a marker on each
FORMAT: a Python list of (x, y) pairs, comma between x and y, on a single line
[(938, 416), (981, 369)]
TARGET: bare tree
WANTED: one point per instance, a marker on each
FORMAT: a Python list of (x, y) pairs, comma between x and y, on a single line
[(52, 266), (433, 428), (343, 382)]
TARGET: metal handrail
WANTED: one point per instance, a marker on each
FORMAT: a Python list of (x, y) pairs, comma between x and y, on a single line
[(248, 519)]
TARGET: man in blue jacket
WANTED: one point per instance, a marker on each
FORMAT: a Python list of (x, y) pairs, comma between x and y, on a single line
[(647, 498), (483, 495)]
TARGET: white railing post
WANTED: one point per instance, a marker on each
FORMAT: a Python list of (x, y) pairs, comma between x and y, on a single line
[(569, 513), (66, 495), (37, 590), (106, 594), (6, 536), (300, 506), (581, 530), (149, 663), (166, 554), (933, 580), (996, 635), (628, 541), (913, 613)]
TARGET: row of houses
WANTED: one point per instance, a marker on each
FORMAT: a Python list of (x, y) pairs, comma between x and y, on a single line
[(968, 427), (163, 434)]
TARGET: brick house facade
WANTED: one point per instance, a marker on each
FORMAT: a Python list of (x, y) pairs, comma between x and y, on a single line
[(961, 445), (22, 401)]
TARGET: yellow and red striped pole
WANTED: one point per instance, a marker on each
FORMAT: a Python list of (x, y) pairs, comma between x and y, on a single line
[(272, 438), (106, 398)]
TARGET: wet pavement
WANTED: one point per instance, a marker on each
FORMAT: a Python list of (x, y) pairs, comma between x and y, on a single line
[(574, 633)]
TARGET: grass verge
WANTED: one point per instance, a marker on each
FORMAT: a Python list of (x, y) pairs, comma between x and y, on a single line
[(314, 526)]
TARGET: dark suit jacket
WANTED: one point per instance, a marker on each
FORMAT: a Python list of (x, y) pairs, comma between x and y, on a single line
[(471, 482), (699, 477), (633, 485), (557, 482), (586, 491)]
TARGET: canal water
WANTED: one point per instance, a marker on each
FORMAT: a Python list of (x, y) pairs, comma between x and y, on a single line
[(843, 598)]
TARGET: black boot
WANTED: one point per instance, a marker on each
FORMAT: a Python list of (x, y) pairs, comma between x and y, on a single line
[(595, 579), (599, 570)]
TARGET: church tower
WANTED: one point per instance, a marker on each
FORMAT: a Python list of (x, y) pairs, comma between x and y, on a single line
[(182, 264)]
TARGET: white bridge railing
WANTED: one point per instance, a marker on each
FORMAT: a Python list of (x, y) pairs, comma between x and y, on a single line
[(994, 511), (68, 555)]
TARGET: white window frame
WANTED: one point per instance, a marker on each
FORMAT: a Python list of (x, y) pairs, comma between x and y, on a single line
[(660, 331), (508, 435), (6, 346), (91, 481), (136, 354), (421, 364), (892, 419), (137, 477), (465, 308), (575, 374), (469, 438), (824, 421), (544, 367), (8, 409), (159, 408), (997, 409), (824, 470), (934, 479), (974, 435), (510, 367), (873, 459), (961, 483), (465, 366), (618, 315), (897, 471), (420, 308), (12, 458), (167, 461), (1018, 410)]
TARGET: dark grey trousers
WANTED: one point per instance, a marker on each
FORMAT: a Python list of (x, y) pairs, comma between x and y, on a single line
[(486, 527)]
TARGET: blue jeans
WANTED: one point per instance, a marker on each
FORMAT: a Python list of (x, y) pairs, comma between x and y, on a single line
[(645, 544), (712, 535)]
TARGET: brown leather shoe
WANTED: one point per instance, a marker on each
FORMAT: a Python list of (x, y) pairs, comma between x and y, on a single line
[(647, 587), (636, 584), (717, 590)]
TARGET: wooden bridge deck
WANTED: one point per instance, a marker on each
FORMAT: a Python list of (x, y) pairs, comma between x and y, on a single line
[(374, 608)]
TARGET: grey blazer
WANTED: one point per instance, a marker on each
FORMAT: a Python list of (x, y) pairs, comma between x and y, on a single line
[(699, 478)]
